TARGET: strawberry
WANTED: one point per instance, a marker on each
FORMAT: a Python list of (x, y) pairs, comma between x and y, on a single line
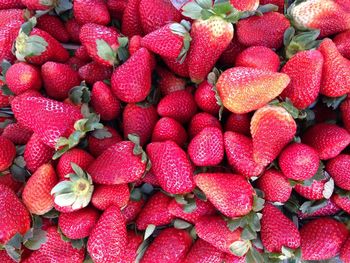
[(327, 16), (21, 77), (121, 163), (266, 30), (231, 201), (91, 11), (106, 195), (230, 258), (345, 251), (8, 35), (299, 161), (55, 249), (322, 239), (201, 121), (73, 29), (116, 8), (327, 139), (14, 216), (134, 44), (132, 209), (342, 202), (213, 229), (104, 102), (54, 26), (137, 68), (139, 120), (277, 230), (245, 5), (202, 251), (4, 257), (336, 71), (39, 4), (168, 82), (259, 57), (155, 212), (338, 168), (329, 209), (8, 180), (78, 224), (345, 113), (169, 129), (179, 105), (278, 3), (150, 178), (246, 89), (82, 54), (303, 88), (131, 251), (171, 166), (78, 156), (108, 239), (131, 22), (239, 123), (7, 153), (156, 13), (313, 191), (7, 4), (13, 14), (205, 98), (228, 57), (178, 68), (36, 194), (75, 63), (37, 153), (268, 183), (98, 144), (4, 100), (207, 147), (343, 44), (59, 79), (101, 72)]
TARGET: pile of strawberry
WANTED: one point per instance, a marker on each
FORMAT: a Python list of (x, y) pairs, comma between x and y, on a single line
[(174, 131)]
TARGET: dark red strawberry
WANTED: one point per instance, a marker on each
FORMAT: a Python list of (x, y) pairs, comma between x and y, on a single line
[(7, 153), (202, 251), (169, 82), (98, 144), (279, 3), (228, 57), (116, 8), (91, 11), (343, 44), (132, 209), (54, 26), (169, 129), (7, 4), (205, 98), (17, 133), (101, 72), (82, 54), (345, 113), (4, 100), (178, 68), (345, 251), (131, 22), (338, 168), (73, 29), (105, 196), (238, 123), (75, 63)]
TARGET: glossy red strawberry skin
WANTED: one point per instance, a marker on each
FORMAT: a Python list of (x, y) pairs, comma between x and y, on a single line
[(132, 209), (238, 123), (54, 26), (343, 44), (328, 210), (171, 166), (322, 238), (106, 195), (6, 4), (169, 129), (98, 146), (8, 35), (134, 240), (73, 29), (101, 72), (205, 98), (91, 11), (131, 23), (338, 168), (345, 113), (168, 82), (345, 251), (201, 121), (7, 179), (342, 202), (7, 153), (313, 191), (17, 133), (202, 251)]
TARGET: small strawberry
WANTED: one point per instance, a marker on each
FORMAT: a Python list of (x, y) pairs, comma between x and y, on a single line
[(73, 29), (155, 212), (168, 82), (104, 102), (327, 139), (7, 153), (169, 129), (132, 209), (108, 239), (7, 4), (304, 87), (202, 251), (201, 121), (338, 168), (99, 143), (171, 166), (238, 123), (315, 191), (54, 26), (275, 186), (101, 72), (231, 201), (243, 90), (134, 241), (139, 119), (266, 30), (329, 209), (106, 195), (336, 71), (228, 57), (131, 22), (8, 180), (205, 98), (40, 4), (134, 44), (322, 239), (345, 251), (343, 44), (345, 113), (91, 11), (78, 224)]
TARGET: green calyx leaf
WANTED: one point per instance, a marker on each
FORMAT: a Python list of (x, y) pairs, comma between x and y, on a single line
[(258, 203), (190, 206), (80, 94), (199, 194), (138, 149), (6, 91), (334, 102), (309, 207), (136, 194), (29, 46), (181, 224), (35, 238), (123, 51), (28, 26), (106, 52), (302, 41), (240, 248), (253, 256), (101, 134), (5, 65), (149, 231), (181, 29), (63, 6)]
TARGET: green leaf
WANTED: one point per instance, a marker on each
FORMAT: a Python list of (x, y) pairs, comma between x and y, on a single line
[(35, 46), (240, 248), (233, 224), (60, 152), (123, 41), (253, 256), (15, 241), (13, 253), (192, 10), (6, 90), (77, 169), (334, 102), (101, 134), (248, 233), (105, 51), (77, 243), (180, 199), (18, 173), (149, 231), (39, 237), (200, 194), (190, 206), (222, 7), (288, 105), (136, 194), (5, 65), (181, 224), (28, 26), (205, 4), (254, 221), (258, 203), (80, 94), (64, 5), (51, 214), (147, 188)]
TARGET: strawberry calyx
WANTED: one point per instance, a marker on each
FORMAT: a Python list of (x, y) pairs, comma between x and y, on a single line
[(5, 65), (75, 192), (182, 29), (139, 151), (80, 94), (286, 253), (312, 206), (212, 78), (287, 104), (334, 103), (76, 243), (115, 53)]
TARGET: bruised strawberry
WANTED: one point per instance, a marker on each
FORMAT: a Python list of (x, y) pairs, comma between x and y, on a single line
[(342, 202), (54, 26), (338, 168), (168, 82), (205, 98), (101, 72), (201, 121), (239, 123), (7, 153), (98, 144), (106, 195), (91, 11), (343, 44), (202, 251), (169, 129), (132, 209), (131, 22), (315, 191)]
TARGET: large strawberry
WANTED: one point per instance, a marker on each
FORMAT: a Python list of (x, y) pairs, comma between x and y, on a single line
[(343, 44), (169, 129), (202, 251), (231, 201), (99, 143), (171, 166), (243, 89), (201, 121), (322, 239), (338, 168), (106, 195), (7, 153), (107, 241), (91, 11), (131, 22), (315, 191), (54, 26)]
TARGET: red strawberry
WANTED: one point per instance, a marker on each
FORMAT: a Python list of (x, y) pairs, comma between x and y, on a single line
[(178, 68), (202, 251), (277, 230), (207, 147), (228, 57), (54, 26), (139, 120), (104, 102), (106, 195), (322, 239), (342, 202), (116, 8), (75, 63), (336, 71), (230, 258), (7, 4), (108, 240), (239, 152), (275, 186), (134, 44), (101, 72), (73, 29), (39, 5), (245, 5), (259, 57), (4, 100), (201, 121), (78, 224), (345, 251), (4, 257), (59, 79), (266, 30), (171, 166), (14, 216), (313, 191), (329, 209), (8, 35), (132, 209), (8, 15), (131, 22), (91, 11), (327, 139), (155, 212), (97, 144), (272, 128), (21, 77), (205, 98), (179, 105), (345, 113), (246, 89), (168, 82), (131, 251), (214, 230), (338, 168), (279, 3), (343, 44), (327, 16), (82, 54), (7, 153), (7, 179), (238, 123), (304, 87), (169, 129), (150, 178), (119, 164), (78, 156), (299, 161)]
